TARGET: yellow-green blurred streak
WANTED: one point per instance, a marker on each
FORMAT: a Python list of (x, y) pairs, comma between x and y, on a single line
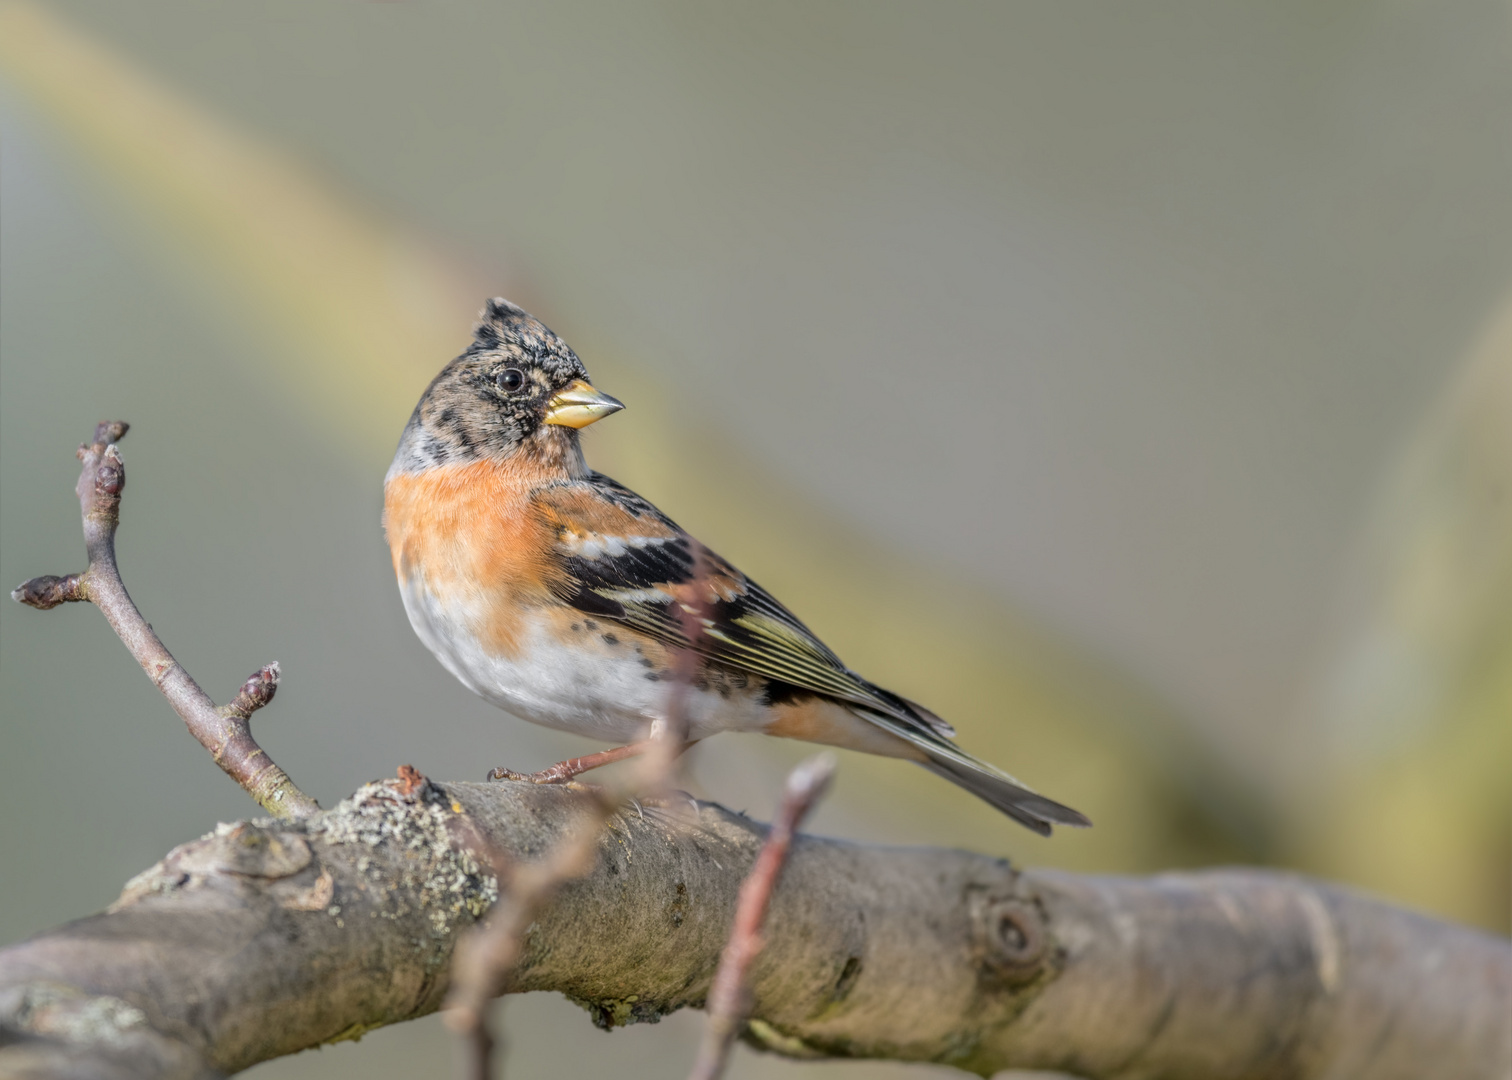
[(356, 319), (350, 296), (1418, 801)]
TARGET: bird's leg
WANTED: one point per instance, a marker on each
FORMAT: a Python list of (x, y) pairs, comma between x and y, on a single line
[(564, 771)]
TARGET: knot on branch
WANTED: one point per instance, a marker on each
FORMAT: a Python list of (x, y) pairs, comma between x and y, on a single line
[(1014, 945), (243, 850)]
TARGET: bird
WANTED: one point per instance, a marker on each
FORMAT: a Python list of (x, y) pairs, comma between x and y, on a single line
[(566, 599)]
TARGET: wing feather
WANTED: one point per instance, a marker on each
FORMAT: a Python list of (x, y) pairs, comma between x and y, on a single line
[(620, 558)]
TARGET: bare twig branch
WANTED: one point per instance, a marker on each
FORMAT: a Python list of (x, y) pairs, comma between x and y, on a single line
[(729, 996), (224, 732)]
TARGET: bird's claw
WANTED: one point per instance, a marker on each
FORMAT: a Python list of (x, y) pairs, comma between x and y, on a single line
[(545, 776), (552, 777)]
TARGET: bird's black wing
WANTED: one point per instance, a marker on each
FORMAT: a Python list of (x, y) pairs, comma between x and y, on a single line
[(620, 558)]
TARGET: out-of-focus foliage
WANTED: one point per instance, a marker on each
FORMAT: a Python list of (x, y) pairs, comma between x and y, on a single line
[(1413, 797)]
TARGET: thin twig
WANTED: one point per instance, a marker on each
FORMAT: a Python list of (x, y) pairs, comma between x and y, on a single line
[(490, 952), (225, 732), (729, 995)]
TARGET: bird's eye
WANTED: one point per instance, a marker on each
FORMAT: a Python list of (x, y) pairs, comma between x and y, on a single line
[(510, 379)]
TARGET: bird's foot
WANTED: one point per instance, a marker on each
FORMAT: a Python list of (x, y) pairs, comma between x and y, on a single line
[(554, 775), (564, 772)]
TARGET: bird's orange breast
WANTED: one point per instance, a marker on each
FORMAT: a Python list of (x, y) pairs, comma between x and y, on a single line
[(467, 534)]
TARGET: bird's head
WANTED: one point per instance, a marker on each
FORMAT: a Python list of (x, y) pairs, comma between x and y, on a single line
[(518, 389)]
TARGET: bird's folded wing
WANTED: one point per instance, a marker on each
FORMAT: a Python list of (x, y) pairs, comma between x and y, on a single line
[(620, 558)]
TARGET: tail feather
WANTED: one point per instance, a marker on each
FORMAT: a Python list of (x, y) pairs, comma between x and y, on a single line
[(1028, 808), (931, 735)]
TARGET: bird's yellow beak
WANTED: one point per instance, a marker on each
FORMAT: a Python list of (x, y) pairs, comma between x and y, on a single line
[(577, 405)]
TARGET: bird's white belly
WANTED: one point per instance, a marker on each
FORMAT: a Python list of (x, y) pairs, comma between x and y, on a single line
[(585, 687)]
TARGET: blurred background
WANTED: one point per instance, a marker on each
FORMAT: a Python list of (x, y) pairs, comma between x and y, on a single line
[(1132, 384)]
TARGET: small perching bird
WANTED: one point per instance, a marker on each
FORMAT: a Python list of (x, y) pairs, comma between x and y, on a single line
[(562, 597)]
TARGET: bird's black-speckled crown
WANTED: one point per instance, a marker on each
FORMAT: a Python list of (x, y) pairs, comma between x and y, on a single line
[(503, 327)]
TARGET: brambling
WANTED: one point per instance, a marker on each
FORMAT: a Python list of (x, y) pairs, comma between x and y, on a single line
[(563, 597)]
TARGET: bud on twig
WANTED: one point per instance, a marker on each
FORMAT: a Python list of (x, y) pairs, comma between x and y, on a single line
[(48, 591), (255, 692)]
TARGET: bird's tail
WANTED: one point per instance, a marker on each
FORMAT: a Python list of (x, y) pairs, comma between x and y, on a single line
[(915, 724), (1028, 808)]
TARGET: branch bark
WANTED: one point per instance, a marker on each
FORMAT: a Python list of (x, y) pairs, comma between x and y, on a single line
[(265, 938)]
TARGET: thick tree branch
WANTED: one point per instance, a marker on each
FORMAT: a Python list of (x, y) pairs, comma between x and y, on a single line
[(265, 938), (225, 732)]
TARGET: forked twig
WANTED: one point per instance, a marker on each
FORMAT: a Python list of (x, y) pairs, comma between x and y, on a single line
[(729, 996), (225, 732)]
